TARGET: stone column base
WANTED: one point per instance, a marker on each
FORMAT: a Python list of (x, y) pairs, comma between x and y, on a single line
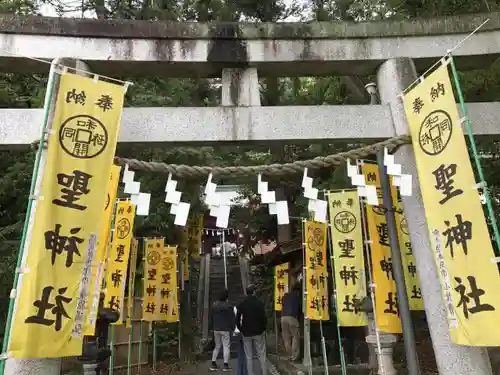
[(89, 368), (384, 356)]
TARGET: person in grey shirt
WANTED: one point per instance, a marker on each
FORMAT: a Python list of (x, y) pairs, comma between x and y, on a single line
[(223, 324), (291, 310)]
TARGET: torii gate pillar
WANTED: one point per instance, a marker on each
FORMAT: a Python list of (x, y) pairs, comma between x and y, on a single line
[(393, 77)]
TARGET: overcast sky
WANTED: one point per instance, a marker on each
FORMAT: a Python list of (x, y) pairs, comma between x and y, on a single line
[(50, 11)]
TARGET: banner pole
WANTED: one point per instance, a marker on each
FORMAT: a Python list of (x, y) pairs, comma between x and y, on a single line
[(154, 347), (139, 355), (468, 128), (130, 336), (276, 329), (323, 348), (370, 281), (307, 323), (109, 244), (112, 356), (37, 174), (397, 267), (131, 301), (179, 297), (223, 248), (275, 292), (329, 245), (105, 275)]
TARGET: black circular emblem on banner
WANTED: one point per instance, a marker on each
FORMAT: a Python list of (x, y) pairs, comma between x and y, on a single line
[(404, 226), (379, 210), (316, 238), (344, 222), (167, 264), (83, 137), (123, 228), (435, 132), (153, 258)]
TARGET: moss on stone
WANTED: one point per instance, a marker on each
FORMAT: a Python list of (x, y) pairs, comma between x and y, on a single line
[(132, 29)]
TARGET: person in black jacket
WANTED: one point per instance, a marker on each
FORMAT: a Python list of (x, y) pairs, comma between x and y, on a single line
[(251, 321), (242, 360), (223, 325)]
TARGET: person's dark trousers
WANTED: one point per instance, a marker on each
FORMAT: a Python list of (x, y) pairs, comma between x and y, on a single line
[(242, 360)]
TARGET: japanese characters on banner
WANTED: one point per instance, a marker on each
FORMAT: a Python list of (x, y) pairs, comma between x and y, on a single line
[(160, 284), (154, 284), (386, 303), (134, 248), (412, 283), (280, 284), (169, 273), (455, 218), (316, 275), (55, 283), (196, 236), (119, 254), (184, 249), (102, 249), (349, 264)]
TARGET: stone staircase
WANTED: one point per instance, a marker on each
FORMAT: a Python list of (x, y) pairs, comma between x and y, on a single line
[(217, 286), (234, 279)]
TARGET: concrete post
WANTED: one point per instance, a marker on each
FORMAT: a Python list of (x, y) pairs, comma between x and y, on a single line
[(240, 88), (387, 340), (372, 356), (393, 77), (370, 331), (46, 366), (89, 369)]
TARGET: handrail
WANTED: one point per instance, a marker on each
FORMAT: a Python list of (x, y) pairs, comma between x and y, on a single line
[(206, 299), (245, 276), (201, 288)]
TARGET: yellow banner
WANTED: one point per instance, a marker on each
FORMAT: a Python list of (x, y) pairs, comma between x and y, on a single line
[(160, 282), (50, 307), (196, 237), (280, 284), (459, 236), (100, 257), (153, 286), (116, 275), (412, 282), (131, 281), (103, 240), (184, 249), (347, 243), (316, 275), (386, 305), (169, 300)]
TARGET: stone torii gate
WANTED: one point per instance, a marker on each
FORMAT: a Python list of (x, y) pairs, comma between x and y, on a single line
[(240, 54)]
